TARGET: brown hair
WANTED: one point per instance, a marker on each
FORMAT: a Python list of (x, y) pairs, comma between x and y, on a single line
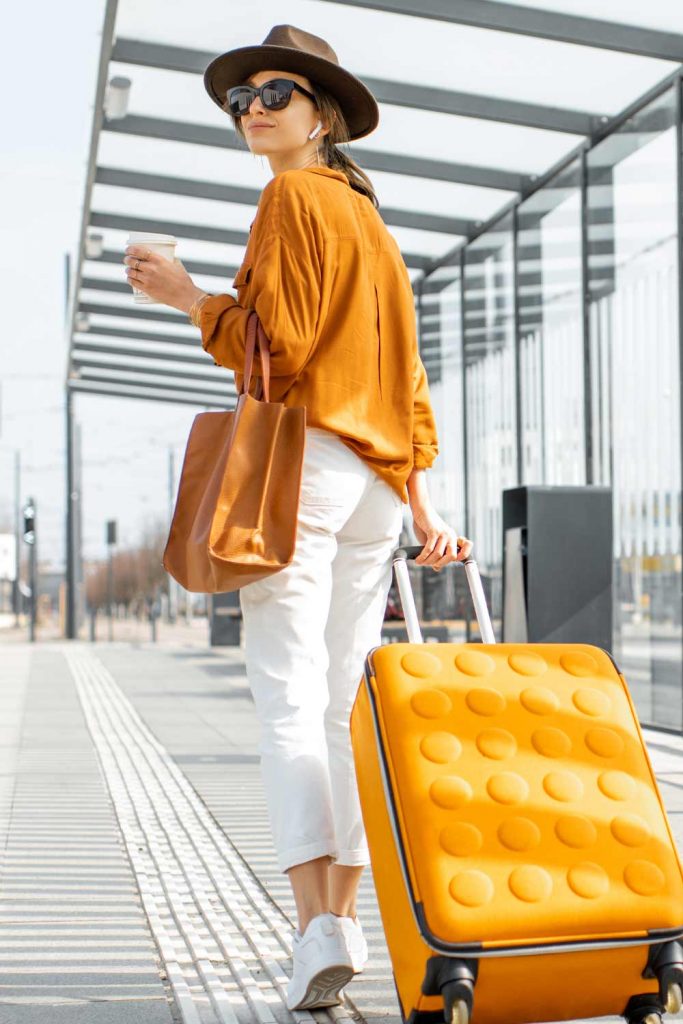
[(331, 155)]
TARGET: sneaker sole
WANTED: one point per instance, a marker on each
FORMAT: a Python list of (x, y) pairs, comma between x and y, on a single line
[(324, 987)]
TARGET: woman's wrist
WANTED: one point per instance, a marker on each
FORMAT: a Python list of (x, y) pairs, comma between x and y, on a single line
[(418, 495), (188, 300)]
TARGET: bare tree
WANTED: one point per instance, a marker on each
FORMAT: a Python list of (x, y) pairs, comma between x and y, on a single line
[(138, 575)]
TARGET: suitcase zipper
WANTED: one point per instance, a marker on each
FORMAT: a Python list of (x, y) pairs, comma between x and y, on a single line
[(473, 949)]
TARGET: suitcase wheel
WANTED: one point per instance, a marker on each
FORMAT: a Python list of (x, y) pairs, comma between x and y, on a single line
[(459, 1012), (674, 998), (457, 1002)]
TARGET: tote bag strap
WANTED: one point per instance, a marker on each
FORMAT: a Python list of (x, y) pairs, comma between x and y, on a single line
[(256, 332), (264, 350)]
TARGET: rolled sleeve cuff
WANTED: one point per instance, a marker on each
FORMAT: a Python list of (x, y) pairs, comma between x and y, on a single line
[(209, 315), (424, 455)]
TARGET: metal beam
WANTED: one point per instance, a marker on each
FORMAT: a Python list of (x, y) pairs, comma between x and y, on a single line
[(369, 159), (482, 107), (106, 45), (679, 285), (103, 284), (227, 270), (392, 216), (531, 21), (139, 312), (222, 236), (124, 222), (404, 94), (148, 395), (72, 478), (83, 365), (135, 352), (652, 121), (189, 390), (132, 335)]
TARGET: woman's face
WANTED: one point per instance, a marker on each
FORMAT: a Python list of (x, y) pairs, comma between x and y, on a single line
[(270, 132)]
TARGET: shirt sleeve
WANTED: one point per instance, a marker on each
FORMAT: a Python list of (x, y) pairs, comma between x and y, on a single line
[(425, 440), (286, 290)]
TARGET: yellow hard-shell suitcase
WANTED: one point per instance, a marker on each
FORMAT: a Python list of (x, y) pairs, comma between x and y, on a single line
[(522, 857)]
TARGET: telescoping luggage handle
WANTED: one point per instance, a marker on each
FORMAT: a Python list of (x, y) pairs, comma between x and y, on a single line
[(400, 559)]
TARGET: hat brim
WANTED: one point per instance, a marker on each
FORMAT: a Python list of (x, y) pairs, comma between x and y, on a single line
[(357, 103)]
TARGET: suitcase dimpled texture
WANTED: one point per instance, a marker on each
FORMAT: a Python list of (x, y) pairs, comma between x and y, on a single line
[(522, 856)]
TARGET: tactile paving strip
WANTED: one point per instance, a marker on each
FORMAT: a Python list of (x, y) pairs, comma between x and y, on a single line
[(223, 941)]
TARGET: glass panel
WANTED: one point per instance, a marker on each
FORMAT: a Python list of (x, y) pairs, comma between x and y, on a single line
[(551, 332), (405, 48), (490, 397), (239, 167), (446, 599), (468, 140), (633, 283), (171, 206), (661, 14), (442, 598)]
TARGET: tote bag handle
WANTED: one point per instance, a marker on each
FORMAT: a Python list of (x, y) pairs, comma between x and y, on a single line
[(255, 331)]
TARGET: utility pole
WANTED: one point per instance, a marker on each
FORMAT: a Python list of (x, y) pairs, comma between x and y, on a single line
[(172, 585), (16, 590), (30, 539), (111, 541), (71, 624)]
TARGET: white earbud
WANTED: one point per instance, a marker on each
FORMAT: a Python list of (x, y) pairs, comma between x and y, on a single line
[(316, 131)]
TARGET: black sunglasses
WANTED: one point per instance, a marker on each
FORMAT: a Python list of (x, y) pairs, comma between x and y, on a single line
[(274, 95)]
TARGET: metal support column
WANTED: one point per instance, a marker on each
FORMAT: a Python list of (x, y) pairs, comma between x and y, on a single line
[(679, 238), (517, 345), (463, 398), (71, 499), (16, 589), (585, 309), (172, 584)]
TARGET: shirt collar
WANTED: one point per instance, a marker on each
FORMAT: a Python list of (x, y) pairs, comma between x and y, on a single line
[(332, 171)]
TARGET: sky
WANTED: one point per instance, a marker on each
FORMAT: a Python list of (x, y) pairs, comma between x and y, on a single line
[(125, 443)]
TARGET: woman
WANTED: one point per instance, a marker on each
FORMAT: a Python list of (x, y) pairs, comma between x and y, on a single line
[(334, 296)]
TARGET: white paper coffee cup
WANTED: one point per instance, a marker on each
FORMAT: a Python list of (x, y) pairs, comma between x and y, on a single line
[(165, 245)]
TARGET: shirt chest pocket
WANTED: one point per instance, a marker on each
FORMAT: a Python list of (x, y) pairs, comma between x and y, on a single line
[(242, 277)]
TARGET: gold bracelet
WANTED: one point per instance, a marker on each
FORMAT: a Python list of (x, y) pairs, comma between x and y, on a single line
[(195, 308), (193, 313)]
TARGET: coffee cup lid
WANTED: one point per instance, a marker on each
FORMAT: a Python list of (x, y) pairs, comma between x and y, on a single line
[(149, 236)]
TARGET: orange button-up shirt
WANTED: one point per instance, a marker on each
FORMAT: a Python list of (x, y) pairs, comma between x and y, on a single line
[(332, 291)]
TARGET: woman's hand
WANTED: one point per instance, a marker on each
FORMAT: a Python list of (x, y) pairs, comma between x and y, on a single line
[(441, 543), (162, 280)]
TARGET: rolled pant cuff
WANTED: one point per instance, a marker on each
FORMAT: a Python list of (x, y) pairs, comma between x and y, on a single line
[(353, 858), (301, 854)]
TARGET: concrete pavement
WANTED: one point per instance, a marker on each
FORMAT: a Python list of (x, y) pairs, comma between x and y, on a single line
[(139, 881)]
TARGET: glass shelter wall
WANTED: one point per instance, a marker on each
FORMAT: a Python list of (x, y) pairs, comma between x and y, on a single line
[(633, 287), (490, 396), (551, 337), (440, 322), (570, 342)]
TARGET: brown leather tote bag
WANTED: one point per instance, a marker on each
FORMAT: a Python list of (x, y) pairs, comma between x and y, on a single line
[(235, 519)]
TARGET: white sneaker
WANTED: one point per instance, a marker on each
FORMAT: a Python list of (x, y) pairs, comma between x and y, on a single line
[(322, 964), (355, 942)]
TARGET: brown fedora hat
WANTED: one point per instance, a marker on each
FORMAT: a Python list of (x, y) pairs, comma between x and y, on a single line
[(287, 48)]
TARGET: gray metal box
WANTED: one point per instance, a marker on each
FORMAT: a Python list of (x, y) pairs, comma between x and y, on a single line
[(557, 565)]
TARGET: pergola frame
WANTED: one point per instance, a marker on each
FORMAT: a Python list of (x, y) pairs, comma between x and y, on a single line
[(94, 368)]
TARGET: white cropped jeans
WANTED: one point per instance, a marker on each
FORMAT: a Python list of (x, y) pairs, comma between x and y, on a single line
[(307, 631)]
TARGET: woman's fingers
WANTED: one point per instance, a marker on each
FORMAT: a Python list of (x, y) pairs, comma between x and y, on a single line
[(440, 549), (435, 546), (465, 549), (427, 554)]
